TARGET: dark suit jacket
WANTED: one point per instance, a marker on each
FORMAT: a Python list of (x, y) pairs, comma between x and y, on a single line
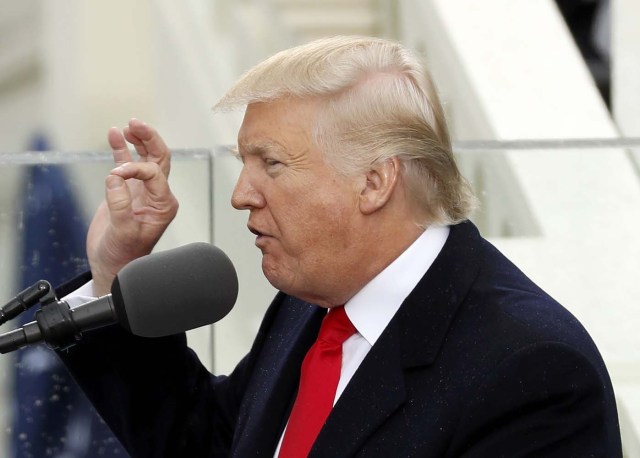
[(478, 362)]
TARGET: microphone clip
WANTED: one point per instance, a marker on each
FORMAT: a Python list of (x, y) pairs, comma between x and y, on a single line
[(57, 327)]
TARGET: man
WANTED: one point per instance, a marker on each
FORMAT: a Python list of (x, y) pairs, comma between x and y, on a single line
[(358, 207)]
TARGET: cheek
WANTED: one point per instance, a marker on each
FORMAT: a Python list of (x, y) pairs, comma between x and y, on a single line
[(315, 219), (319, 231), (313, 239)]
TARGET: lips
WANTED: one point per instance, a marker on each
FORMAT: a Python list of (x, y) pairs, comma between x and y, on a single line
[(262, 238), (255, 230)]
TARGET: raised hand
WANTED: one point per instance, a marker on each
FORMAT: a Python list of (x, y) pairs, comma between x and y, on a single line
[(138, 203)]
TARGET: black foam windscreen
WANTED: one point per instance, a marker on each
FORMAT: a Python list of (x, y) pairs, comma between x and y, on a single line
[(175, 290)]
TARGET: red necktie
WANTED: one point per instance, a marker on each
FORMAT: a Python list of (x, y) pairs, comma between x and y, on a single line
[(318, 382)]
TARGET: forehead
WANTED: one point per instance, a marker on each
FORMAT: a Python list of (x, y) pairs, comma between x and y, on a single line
[(277, 125)]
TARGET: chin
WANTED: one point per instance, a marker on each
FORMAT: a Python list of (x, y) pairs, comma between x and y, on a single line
[(274, 276)]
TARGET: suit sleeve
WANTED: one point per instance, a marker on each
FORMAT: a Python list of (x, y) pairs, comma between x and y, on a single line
[(545, 400), (155, 394)]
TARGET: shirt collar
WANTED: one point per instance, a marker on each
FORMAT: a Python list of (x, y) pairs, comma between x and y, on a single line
[(373, 307)]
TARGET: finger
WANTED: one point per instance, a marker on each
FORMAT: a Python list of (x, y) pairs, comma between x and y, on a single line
[(150, 173), (136, 142), (121, 153), (118, 200), (148, 143)]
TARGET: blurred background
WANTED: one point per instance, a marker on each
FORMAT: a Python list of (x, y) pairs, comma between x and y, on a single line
[(543, 100)]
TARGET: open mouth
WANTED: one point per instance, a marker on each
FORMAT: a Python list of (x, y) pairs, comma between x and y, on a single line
[(255, 231)]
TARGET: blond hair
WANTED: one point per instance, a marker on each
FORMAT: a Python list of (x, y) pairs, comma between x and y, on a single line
[(380, 103)]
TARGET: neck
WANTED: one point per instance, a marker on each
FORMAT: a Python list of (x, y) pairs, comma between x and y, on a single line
[(384, 244)]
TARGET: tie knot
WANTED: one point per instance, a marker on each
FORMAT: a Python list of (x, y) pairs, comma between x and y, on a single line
[(336, 327)]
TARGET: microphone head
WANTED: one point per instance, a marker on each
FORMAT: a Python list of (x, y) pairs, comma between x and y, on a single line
[(173, 291)]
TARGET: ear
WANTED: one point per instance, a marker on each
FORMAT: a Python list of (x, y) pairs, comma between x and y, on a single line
[(381, 181)]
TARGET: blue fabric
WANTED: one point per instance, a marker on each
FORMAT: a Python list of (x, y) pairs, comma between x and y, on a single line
[(52, 417)]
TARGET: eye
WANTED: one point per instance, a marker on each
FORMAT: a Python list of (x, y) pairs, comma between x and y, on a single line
[(272, 162), (272, 167)]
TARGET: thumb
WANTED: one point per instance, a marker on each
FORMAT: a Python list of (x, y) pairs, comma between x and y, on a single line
[(118, 199)]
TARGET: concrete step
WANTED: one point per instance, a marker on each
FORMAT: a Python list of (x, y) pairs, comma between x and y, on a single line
[(324, 3), (314, 21)]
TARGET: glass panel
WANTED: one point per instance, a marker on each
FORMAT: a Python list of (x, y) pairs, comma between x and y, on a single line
[(566, 212), (46, 202)]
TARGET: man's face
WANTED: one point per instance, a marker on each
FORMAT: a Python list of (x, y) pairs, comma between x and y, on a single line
[(303, 213)]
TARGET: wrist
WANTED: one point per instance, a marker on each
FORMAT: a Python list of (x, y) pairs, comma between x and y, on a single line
[(102, 280)]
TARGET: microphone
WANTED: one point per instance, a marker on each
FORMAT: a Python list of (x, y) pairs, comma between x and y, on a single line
[(157, 295), (40, 291)]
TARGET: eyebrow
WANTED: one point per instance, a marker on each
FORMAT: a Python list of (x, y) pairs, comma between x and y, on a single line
[(234, 151), (257, 148)]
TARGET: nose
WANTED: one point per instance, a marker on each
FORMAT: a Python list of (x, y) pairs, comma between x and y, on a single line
[(245, 196)]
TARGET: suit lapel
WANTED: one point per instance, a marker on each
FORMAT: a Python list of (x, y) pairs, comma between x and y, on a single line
[(413, 338), (270, 392)]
